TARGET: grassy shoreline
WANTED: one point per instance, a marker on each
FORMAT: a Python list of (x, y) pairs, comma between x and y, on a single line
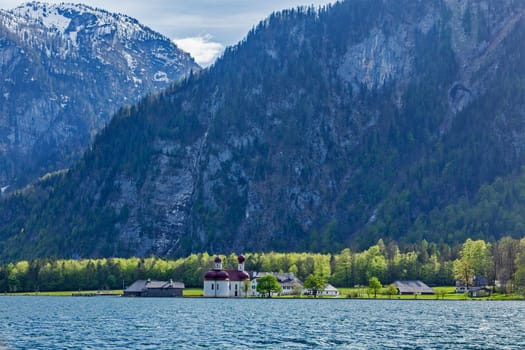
[(442, 293)]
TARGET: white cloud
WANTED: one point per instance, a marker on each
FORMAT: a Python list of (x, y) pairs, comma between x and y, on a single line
[(201, 48)]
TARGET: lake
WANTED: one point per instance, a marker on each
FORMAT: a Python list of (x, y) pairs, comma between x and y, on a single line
[(140, 323)]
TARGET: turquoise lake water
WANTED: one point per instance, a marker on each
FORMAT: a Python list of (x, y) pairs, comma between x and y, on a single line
[(123, 323)]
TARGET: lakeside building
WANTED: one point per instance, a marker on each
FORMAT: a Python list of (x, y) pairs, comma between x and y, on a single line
[(220, 283), (477, 282), (289, 283), (413, 287), (478, 292), (328, 291), (149, 288)]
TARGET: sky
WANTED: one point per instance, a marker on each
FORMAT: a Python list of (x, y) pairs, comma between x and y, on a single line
[(201, 27)]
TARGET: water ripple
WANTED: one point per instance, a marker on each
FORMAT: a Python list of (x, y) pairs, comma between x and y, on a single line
[(121, 323)]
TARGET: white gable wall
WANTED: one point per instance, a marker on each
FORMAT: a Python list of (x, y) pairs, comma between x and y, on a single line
[(217, 289), (224, 289)]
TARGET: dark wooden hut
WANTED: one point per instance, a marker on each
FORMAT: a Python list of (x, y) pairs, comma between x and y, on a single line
[(413, 287), (149, 288)]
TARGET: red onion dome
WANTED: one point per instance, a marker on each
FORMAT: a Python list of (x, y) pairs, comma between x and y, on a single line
[(241, 259), (218, 260), (210, 275), (222, 275)]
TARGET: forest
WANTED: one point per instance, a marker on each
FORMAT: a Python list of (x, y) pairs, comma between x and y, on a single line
[(502, 261)]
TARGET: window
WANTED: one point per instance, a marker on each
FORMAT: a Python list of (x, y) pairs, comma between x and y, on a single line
[(212, 287)]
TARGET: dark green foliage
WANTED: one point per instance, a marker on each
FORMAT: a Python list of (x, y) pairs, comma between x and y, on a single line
[(374, 285), (268, 285), (315, 284), (380, 264)]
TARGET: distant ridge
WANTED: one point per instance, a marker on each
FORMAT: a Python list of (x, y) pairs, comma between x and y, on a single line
[(66, 69)]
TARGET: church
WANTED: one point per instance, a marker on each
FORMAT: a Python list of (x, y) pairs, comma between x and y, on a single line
[(219, 283)]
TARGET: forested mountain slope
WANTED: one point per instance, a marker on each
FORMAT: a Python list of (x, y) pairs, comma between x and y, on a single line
[(64, 70), (367, 119)]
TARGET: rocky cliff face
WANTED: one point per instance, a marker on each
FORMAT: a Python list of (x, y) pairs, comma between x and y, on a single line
[(65, 70), (321, 129)]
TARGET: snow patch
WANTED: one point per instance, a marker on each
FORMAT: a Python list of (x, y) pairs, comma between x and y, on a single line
[(132, 64), (57, 21), (161, 76), (47, 15), (73, 36)]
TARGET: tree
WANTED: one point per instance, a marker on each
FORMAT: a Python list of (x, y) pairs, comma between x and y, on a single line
[(246, 287), (391, 290), (519, 276), (342, 269), (267, 285), (475, 261), (315, 283), (374, 285), (297, 289), (463, 271), (505, 252)]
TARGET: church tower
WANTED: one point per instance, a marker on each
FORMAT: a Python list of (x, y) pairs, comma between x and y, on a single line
[(218, 263), (241, 259)]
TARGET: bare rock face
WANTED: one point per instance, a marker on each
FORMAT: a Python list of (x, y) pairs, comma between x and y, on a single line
[(65, 70), (281, 170), (378, 60)]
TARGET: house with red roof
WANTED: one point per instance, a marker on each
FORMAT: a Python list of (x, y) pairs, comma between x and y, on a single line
[(220, 283)]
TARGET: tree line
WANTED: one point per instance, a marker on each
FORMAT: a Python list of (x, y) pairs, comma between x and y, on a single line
[(434, 264)]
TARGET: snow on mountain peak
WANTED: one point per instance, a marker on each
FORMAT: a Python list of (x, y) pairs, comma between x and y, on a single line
[(59, 58), (46, 14), (68, 17)]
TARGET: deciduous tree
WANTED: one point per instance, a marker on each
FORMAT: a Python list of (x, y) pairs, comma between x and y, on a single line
[(391, 290), (374, 285), (267, 285), (315, 283), (475, 260)]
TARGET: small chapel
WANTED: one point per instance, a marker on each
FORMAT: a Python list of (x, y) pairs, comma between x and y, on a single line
[(220, 283)]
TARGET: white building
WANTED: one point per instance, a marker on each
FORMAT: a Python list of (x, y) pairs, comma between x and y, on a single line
[(220, 283), (289, 283), (329, 291)]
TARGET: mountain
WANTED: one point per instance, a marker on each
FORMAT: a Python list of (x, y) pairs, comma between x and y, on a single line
[(65, 69), (325, 128)]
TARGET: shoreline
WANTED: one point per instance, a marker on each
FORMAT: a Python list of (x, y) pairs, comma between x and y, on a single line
[(114, 294)]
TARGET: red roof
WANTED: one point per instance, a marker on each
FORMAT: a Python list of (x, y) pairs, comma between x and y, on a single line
[(210, 275), (221, 275), (218, 275), (236, 275)]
